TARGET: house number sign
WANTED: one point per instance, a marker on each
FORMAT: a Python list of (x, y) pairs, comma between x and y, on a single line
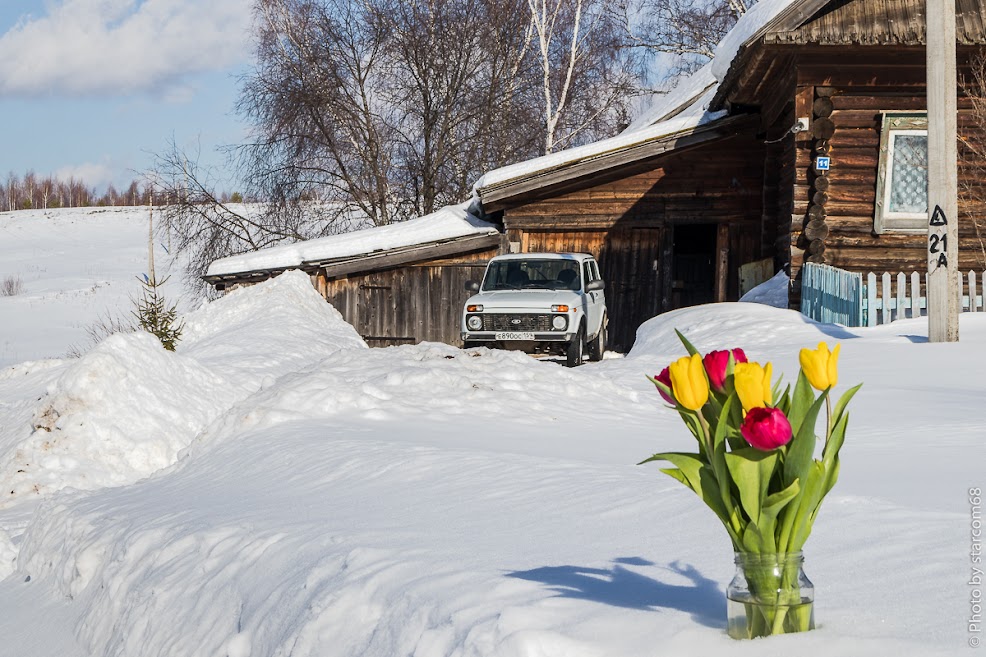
[(937, 239)]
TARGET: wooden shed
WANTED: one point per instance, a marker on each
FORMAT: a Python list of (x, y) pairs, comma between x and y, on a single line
[(398, 284)]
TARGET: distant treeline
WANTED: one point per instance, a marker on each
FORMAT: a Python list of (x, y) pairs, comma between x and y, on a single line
[(42, 192)]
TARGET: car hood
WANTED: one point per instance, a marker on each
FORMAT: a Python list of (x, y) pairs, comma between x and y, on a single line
[(531, 299)]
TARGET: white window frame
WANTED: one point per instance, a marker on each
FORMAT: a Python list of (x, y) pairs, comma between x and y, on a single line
[(896, 124)]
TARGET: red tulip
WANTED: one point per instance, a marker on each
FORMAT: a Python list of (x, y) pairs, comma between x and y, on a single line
[(766, 428), (665, 378), (716, 363)]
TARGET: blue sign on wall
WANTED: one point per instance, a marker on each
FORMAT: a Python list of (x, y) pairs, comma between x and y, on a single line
[(822, 163)]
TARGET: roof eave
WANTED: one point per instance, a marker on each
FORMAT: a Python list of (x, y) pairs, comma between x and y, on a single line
[(365, 262), (790, 18), (493, 195)]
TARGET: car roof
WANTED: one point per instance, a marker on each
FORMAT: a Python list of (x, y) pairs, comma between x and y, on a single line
[(544, 256)]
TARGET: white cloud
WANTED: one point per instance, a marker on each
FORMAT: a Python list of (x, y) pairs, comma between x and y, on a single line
[(95, 47), (91, 173)]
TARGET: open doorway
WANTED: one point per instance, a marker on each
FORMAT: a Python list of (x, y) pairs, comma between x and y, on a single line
[(694, 265)]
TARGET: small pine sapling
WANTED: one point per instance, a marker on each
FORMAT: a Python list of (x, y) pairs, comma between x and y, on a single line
[(156, 316), (152, 312)]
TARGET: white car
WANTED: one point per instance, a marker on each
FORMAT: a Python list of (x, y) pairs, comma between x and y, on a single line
[(539, 303)]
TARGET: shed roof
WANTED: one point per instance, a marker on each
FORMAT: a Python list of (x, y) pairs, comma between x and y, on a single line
[(450, 230)]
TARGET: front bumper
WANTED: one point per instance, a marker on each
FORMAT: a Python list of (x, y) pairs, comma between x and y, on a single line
[(488, 336)]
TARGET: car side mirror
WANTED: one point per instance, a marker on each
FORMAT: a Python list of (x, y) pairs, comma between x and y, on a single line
[(594, 285), (472, 286)]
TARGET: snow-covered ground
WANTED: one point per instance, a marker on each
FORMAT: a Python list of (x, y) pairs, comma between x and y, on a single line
[(277, 488), (77, 267)]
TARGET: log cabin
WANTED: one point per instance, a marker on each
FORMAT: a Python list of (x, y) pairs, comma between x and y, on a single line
[(803, 140)]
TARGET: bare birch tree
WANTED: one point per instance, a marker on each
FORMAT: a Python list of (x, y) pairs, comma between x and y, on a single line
[(682, 34), (586, 81)]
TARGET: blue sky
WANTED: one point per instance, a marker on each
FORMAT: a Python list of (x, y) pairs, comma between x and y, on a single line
[(92, 87)]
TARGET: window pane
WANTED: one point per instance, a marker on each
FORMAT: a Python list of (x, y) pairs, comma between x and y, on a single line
[(909, 175)]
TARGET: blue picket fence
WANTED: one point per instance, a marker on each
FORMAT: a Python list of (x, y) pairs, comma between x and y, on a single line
[(833, 295)]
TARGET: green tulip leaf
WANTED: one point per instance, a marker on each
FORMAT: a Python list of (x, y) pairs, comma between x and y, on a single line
[(801, 449), (800, 402), (836, 438), (693, 471), (807, 505), (660, 386), (753, 541), (840, 406), (772, 506), (688, 345), (751, 470), (833, 476)]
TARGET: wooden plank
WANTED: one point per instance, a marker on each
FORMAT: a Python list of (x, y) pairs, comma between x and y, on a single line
[(871, 299), (887, 315), (915, 294), (901, 285), (722, 261)]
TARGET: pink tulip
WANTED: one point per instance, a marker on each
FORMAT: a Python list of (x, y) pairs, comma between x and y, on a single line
[(766, 428), (665, 378), (716, 363)]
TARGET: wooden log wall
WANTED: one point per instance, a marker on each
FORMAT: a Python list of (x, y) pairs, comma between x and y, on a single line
[(628, 224), (408, 304), (832, 216)]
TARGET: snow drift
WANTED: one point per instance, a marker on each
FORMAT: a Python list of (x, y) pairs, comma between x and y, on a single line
[(127, 408)]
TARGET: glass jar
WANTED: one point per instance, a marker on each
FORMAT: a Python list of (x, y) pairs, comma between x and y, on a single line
[(769, 594)]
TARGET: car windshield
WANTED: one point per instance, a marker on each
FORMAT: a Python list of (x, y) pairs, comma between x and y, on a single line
[(544, 274)]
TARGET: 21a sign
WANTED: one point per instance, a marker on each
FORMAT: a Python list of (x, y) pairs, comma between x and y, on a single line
[(937, 239)]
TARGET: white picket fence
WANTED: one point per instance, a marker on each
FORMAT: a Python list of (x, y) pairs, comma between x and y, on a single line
[(830, 294), (897, 297)]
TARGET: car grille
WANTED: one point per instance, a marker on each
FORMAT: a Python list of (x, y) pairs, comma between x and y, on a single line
[(507, 322)]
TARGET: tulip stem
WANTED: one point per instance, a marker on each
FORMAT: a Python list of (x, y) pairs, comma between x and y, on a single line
[(828, 416), (706, 434)]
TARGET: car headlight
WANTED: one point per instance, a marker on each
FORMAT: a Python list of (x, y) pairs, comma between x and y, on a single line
[(474, 322), (559, 322)]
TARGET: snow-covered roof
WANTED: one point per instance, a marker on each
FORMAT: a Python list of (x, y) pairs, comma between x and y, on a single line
[(688, 97), (450, 223), (679, 124)]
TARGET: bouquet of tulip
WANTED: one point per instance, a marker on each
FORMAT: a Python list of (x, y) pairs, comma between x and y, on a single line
[(756, 469)]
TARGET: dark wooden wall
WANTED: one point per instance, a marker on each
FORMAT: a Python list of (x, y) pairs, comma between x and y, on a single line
[(628, 223), (407, 304), (861, 84)]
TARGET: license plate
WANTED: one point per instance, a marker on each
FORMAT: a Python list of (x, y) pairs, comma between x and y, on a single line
[(514, 335)]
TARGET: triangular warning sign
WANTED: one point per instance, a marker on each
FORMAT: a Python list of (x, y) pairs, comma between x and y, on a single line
[(938, 217)]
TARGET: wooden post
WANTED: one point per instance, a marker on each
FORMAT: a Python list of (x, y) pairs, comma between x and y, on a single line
[(943, 238), (722, 261), (152, 277)]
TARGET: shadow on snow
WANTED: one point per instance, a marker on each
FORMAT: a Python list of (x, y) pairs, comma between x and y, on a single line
[(621, 587)]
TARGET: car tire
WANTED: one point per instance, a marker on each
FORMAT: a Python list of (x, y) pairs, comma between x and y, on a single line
[(598, 346), (575, 354)]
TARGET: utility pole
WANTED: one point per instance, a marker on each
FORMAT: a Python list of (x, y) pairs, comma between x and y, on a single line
[(152, 277), (944, 286)]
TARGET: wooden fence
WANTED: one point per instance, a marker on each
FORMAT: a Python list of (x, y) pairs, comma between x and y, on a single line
[(829, 294)]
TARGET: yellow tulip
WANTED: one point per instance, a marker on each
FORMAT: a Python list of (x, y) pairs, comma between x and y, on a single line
[(688, 382), (821, 368), (752, 382)]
